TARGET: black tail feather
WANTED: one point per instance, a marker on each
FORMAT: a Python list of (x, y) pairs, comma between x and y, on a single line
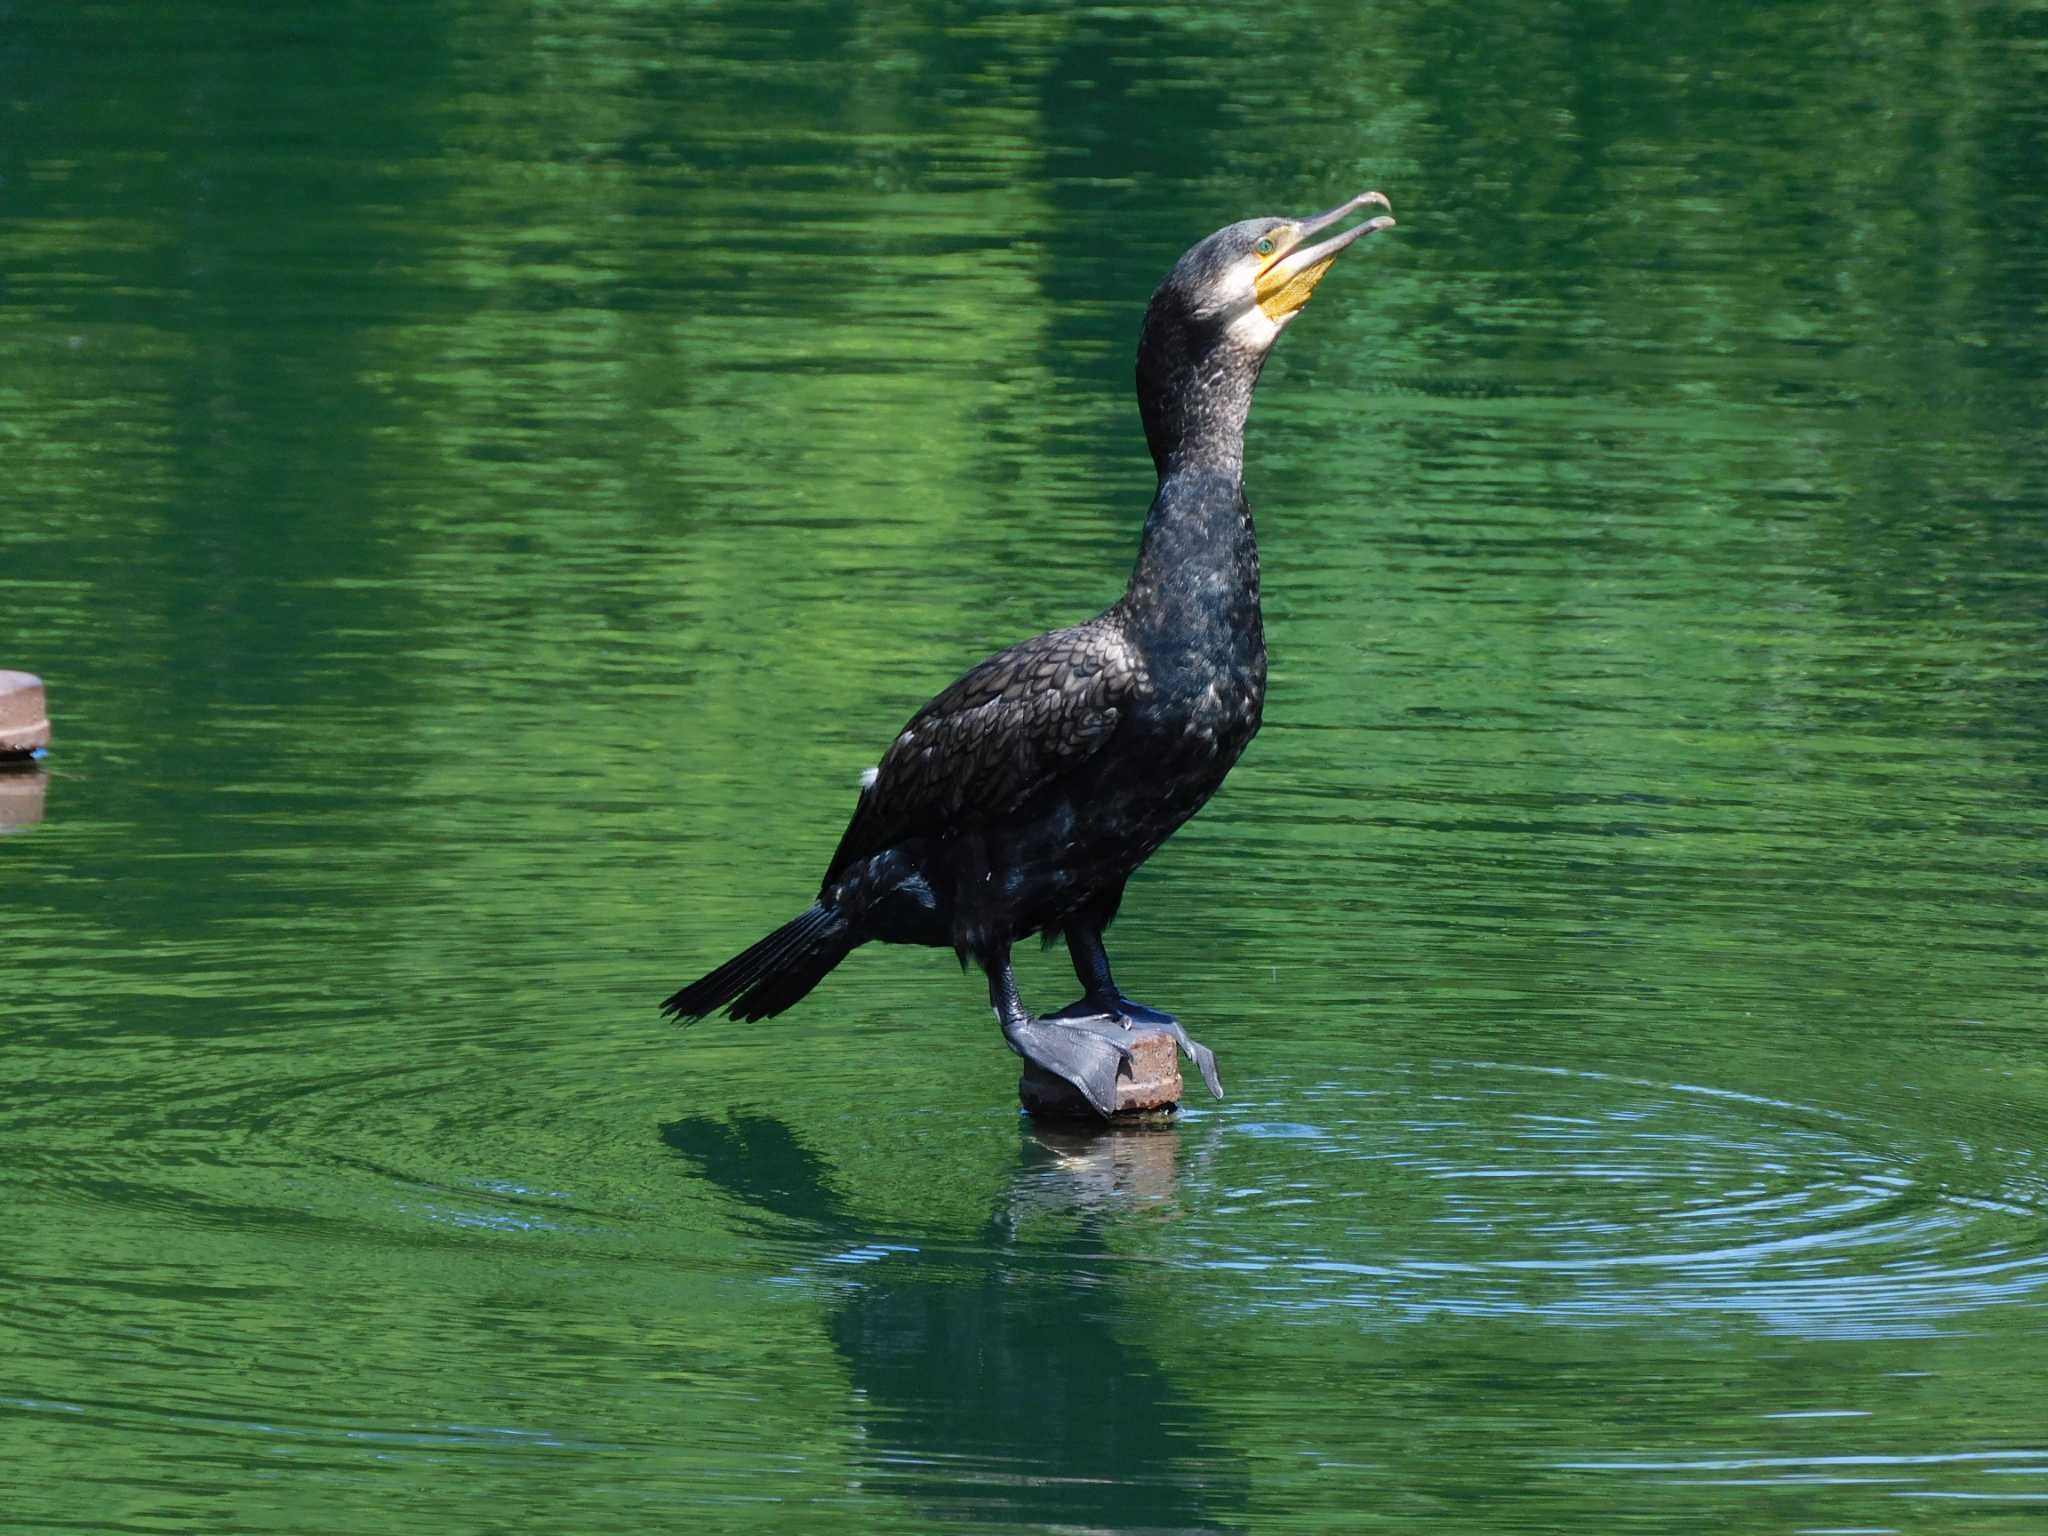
[(772, 975), (788, 985)]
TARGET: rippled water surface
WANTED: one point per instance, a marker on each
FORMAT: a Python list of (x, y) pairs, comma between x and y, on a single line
[(481, 481)]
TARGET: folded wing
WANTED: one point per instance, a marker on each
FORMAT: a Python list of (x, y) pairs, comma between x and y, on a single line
[(1013, 726)]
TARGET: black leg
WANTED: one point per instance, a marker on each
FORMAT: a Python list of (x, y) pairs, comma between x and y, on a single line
[(1101, 996), (1091, 1063)]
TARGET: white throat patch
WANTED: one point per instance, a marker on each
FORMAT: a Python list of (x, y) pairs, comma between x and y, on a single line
[(1253, 329)]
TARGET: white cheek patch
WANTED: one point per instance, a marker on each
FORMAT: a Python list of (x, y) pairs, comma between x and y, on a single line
[(868, 777), (1254, 329)]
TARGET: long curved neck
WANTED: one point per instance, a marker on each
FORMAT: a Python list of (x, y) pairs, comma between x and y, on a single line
[(1198, 564), (1200, 555), (1195, 384)]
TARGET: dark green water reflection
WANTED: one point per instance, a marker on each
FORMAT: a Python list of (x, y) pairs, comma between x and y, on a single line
[(481, 481)]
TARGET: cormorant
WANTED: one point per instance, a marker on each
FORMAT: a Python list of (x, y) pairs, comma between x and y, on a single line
[(1020, 800)]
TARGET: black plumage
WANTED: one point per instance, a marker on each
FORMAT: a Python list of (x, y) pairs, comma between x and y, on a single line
[(1020, 800)]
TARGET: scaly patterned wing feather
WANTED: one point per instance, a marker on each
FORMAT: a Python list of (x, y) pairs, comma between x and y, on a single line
[(1011, 726)]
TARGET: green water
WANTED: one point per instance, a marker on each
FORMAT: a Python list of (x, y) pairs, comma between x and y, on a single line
[(481, 481)]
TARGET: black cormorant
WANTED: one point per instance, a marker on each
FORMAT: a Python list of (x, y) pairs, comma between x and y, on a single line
[(1020, 800)]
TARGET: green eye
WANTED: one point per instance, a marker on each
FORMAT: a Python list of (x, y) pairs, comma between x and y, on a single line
[(1265, 247)]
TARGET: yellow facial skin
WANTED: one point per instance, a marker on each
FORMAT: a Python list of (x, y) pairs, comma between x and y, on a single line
[(1289, 271), (1282, 288)]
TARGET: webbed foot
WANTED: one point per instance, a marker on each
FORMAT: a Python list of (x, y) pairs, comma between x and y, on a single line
[(1090, 1061), (1203, 1058), (1129, 1014)]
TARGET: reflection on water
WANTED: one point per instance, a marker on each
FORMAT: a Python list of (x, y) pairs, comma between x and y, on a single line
[(1006, 1372), (22, 793), (486, 485)]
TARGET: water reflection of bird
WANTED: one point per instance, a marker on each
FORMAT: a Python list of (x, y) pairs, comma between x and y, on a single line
[(1003, 1372), (1021, 799)]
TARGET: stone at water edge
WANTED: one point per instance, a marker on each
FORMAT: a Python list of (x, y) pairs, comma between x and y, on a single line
[(24, 715), (1153, 1088)]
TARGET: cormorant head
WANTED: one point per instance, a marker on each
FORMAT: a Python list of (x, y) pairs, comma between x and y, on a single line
[(1255, 275), (1221, 308)]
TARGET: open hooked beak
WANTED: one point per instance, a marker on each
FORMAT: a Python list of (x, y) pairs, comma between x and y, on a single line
[(1294, 269)]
